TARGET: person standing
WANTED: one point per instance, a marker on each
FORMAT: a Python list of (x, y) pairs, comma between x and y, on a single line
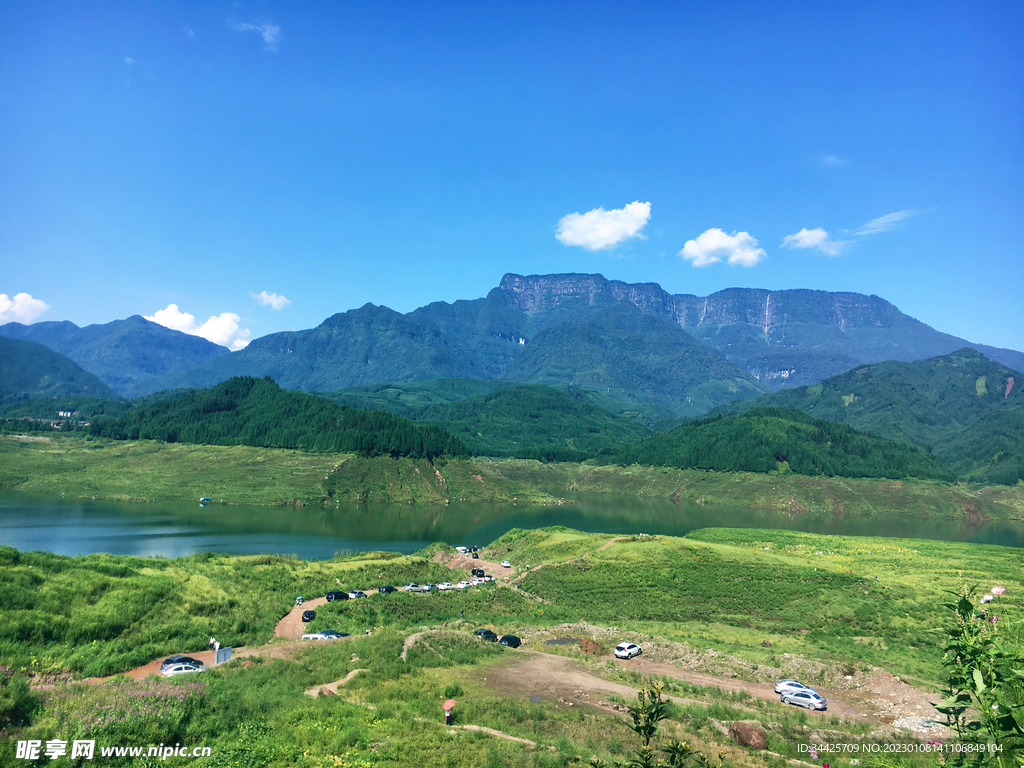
[(212, 641)]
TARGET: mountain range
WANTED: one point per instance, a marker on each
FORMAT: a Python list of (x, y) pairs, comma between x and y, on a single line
[(668, 355)]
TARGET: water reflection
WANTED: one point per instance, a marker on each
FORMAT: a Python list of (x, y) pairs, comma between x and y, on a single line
[(175, 529)]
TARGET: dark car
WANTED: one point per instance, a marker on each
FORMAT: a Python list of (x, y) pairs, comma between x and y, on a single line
[(489, 636), (336, 594), (476, 556), (478, 572), (308, 615), (511, 641), (170, 660), (387, 590)]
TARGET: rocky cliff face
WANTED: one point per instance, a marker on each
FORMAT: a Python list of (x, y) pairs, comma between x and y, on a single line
[(783, 338)]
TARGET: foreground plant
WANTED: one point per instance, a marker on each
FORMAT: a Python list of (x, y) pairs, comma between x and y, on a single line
[(985, 679), (647, 713)]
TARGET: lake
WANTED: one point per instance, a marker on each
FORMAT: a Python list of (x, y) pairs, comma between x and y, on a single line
[(178, 529)]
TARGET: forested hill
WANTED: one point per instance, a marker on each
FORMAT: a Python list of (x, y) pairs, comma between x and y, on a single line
[(964, 409), (774, 439), (248, 411), (30, 370)]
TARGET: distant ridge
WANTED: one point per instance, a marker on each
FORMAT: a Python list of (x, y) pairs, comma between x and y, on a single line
[(124, 353)]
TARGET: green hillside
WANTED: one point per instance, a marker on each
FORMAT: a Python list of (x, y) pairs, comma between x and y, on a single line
[(257, 412), (534, 422), (30, 370), (412, 399), (634, 358), (963, 408), (777, 439)]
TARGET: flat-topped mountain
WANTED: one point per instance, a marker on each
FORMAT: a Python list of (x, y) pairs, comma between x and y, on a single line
[(782, 338)]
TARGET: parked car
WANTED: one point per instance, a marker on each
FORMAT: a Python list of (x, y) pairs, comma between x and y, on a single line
[(326, 634), (356, 594), (477, 572), (182, 669), (446, 586), (627, 650), (480, 631), (387, 590), (415, 588), (488, 636), (308, 616), (171, 660), (475, 582), (476, 556), (336, 595), (792, 686), (487, 577), (506, 564), (807, 699), (463, 585), (430, 587), (511, 641)]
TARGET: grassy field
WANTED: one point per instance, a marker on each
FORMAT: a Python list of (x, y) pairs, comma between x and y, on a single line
[(147, 470), (716, 592), (792, 493), (150, 471)]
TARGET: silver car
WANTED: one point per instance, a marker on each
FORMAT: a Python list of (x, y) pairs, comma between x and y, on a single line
[(807, 699), (182, 669)]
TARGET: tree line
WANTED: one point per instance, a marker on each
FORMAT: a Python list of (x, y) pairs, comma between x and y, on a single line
[(245, 410), (773, 439)]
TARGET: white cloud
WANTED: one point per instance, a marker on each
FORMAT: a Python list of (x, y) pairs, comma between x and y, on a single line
[(598, 229), (885, 223), (713, 245), (271, 300), (220, 329), (128, 61), (21, 309), (831, 161), (269, 32), (815, 238)]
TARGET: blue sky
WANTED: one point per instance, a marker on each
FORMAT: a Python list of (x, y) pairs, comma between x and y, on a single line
[(264, 165)]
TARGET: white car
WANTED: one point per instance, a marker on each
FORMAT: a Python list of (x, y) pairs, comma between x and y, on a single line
[(506, 564), (475, 582), (463, 585), (627, 650), (182, 669), (325, 634), (792, 686), (446, 585)]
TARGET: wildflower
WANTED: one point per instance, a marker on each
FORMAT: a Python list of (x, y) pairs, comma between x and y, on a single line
[(986, 598), (998, 590), (995, 706), (994, 619)]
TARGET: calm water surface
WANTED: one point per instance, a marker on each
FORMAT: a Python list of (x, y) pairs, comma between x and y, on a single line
[(177, 529)]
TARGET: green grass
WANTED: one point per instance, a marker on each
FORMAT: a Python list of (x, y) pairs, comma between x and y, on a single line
[(792, 493), (716, 588), (148, 470)]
